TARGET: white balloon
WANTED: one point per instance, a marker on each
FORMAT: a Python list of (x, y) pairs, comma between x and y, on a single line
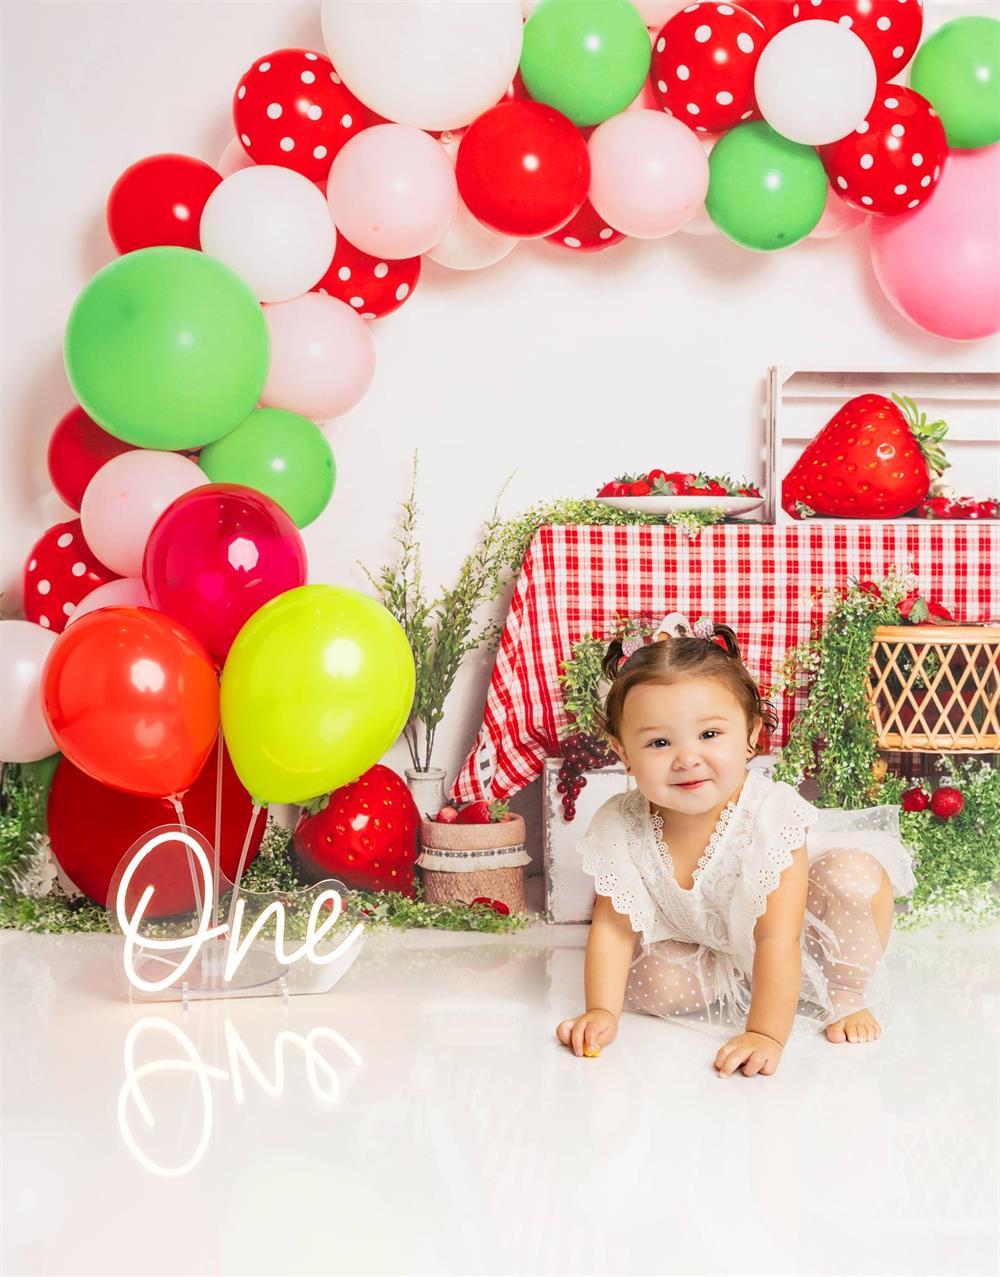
[(24, 733), (273, 227), (467, 244), (815, 82), (435, 64)]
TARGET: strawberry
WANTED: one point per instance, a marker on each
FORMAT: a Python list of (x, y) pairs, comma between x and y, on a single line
[(937, 508), (656, 476), (641, 489), (988, 509), (870, 460), (497, 906), (608, 490), (915, 799), (447, 816), (485, 812), (946, 802)]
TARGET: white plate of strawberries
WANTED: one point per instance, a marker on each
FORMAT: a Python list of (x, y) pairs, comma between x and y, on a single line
[(674, 491)]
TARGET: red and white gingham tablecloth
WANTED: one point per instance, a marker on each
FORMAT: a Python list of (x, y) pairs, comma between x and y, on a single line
[(760, 579)]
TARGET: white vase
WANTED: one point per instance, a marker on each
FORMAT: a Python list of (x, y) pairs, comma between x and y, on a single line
[(427, 788)]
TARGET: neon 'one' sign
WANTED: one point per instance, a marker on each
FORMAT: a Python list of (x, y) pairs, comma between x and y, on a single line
[(238, 945)]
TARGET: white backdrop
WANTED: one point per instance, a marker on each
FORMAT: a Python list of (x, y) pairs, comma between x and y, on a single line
[(566, 369)]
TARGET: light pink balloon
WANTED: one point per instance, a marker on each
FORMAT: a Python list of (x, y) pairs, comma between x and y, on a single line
[(322, 357), (126, 497), (126, 591), (648, 173), (233, 158), (392, 191), (838, 217), (24, 733), (940, 265)]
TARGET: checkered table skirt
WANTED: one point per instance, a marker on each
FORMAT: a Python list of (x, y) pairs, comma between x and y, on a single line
[(760, 579)]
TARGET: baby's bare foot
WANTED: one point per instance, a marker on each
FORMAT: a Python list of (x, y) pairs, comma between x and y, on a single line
[(859, 1026)]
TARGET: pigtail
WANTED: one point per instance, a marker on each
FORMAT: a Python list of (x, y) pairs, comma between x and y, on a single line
[(614, 659), (729, 644)]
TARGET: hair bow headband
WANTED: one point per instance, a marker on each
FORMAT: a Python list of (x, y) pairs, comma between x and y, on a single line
[(673, 625)]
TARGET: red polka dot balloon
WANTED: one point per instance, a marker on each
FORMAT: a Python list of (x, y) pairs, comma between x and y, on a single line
[(893, 160), (704, 60), (774, 14), (292, 108), (60, 571), (373, 286), (890, 28), (587, 232)]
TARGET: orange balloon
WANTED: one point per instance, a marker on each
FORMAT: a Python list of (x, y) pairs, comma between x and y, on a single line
[(132, 698)]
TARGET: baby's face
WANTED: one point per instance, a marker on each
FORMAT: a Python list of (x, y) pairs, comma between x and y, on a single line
[(686, 743)]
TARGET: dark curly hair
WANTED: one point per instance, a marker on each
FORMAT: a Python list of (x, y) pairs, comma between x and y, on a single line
[(670, 660)]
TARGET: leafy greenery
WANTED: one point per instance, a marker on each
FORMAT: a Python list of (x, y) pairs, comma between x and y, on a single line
[(22, 822)]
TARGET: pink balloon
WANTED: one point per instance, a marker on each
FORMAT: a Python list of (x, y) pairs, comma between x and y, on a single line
[(218, 554), (322, 357), (648, 173), (126, 591), (940, 265), (233, 158), (838, 217), (126, 497), (392, 191), (24, 732)]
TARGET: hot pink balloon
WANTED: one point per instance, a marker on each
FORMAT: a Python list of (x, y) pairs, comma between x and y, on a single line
[(126, 591), (838, 217), (392, 191), (322, 357), (648, 173), (218, 554), (126, 497), (940, 264)]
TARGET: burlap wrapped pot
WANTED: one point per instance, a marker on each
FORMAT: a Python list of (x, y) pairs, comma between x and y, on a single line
[(461, 862)]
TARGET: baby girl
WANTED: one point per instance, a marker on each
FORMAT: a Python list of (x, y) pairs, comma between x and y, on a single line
[(725, 901)]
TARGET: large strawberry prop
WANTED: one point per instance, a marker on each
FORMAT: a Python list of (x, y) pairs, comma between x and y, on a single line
[(871, 460), (364, 833)]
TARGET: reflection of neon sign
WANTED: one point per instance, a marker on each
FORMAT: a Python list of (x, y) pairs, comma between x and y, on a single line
[(237, 945), (322, 1078)]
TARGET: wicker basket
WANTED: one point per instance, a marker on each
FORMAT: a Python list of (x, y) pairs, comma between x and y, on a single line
[(461, 862), (936, 688)]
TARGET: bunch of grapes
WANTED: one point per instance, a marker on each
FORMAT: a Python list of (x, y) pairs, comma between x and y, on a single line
[(581, 751)]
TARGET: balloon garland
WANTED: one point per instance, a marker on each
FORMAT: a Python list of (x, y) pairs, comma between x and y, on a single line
[(236, 319)]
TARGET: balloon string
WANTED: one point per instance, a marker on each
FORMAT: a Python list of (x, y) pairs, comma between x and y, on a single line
[(218, 832), (179, 809), (243, 860)]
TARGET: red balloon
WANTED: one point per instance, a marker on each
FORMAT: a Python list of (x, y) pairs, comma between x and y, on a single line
[(159, 200), (372, 285), (703, 67), (132, 698), (292, 108), (890, 28), (366, 835), (587, 232), (91, 827), (217, 554), (893, 160), (77, 450), (523, 169), (60, 571), (774, 15)]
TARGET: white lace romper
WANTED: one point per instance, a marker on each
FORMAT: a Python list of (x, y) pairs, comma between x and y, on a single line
[(693, 958)]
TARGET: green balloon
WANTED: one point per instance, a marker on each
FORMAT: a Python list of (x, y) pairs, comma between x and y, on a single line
[(958, 72), (764, 192), (587, 58), (280, 454), (167, 348)]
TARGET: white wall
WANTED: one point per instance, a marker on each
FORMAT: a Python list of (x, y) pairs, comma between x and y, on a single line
[(566, 368)]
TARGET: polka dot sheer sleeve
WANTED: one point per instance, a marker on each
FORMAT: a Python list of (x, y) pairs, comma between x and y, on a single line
[(606, 852)]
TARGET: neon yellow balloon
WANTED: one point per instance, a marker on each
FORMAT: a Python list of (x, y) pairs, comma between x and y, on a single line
[(316, 687)]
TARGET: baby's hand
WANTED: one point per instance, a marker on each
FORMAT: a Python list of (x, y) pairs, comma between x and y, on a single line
[(762, 1055), (588, 1032)]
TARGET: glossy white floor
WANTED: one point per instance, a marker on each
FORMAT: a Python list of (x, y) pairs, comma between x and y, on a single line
[(421, 1119)]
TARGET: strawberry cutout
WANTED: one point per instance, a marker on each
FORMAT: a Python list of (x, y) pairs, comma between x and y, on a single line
[(292, 108), (893, 160), (364, 833), (372, 285), (703, 66), (60, 572), (871, 460)]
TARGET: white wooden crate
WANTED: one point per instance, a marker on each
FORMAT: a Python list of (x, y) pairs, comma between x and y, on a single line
[(801, 401), (569, 892)]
